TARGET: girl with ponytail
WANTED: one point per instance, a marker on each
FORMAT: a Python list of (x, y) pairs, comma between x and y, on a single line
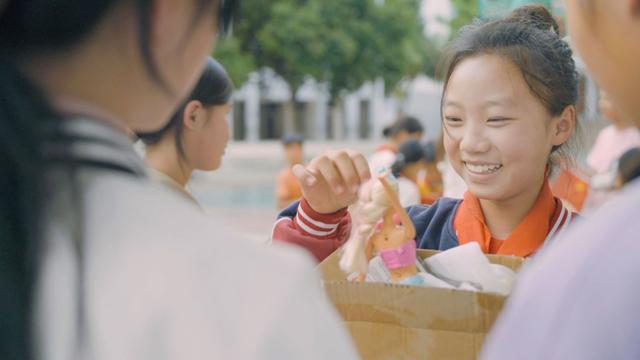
[(508, 114), (196, 135)]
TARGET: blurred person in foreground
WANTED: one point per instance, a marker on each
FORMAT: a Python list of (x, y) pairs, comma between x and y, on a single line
[(98, 261), (579, 298), (287, 186)]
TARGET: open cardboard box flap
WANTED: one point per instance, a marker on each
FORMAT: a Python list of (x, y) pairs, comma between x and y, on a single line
[(403, 321)]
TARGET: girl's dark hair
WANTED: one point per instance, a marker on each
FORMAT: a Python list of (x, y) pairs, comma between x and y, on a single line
[(629, 165), (406, 123), (27, 123), (530, 39), (213, 88), (409, 152)]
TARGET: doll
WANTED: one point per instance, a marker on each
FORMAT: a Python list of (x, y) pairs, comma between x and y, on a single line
[(382, 227)]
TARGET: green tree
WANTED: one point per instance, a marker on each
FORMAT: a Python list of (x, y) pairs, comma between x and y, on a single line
[(433, 52), (238, 63), (465, 12), (343, 42)]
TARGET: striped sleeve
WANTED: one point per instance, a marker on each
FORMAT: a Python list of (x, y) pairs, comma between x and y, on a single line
[(321, 234), (563, 219)]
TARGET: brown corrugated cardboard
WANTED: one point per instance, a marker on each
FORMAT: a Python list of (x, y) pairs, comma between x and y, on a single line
[(389, 321)]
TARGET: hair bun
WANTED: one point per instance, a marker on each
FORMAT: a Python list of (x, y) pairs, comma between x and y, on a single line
[(535, 15)]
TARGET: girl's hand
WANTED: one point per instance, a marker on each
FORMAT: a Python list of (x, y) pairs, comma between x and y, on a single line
[(331, 181)]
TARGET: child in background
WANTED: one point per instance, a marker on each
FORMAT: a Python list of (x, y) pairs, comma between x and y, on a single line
[(628, 167), (196, 135), (287, 187), (611, 143), (452, 184), (614, 139), (406, 128), (407, 168), (430, 180), (503, 130)]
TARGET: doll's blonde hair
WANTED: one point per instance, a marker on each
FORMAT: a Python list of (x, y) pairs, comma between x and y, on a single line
[(372, 204)]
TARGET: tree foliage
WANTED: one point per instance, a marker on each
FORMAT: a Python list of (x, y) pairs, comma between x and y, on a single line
[(342, 42), (239, 64), (464, 13)]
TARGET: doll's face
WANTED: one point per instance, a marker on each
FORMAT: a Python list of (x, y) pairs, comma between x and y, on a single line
[(389, 237)]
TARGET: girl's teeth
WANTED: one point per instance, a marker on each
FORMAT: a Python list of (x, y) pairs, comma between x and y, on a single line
[(483, 169)]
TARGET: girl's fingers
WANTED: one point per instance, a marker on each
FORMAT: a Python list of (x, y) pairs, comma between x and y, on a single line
[(327, 169), (361, 165), (346, 167), (304, 175), (343, 171)]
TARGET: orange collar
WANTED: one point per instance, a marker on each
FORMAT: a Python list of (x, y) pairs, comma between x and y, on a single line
[(525, 239)]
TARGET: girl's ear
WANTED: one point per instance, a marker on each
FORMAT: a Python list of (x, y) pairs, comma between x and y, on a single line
[(563, 126), (191, 115)]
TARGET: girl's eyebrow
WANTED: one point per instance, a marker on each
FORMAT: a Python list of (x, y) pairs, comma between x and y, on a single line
[(452, 103), (500, 101)]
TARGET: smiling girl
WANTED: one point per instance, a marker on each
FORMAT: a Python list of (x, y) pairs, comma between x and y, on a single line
[(508, 110)]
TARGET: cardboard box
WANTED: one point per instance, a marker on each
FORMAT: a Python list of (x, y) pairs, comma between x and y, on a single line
[(389, 321)]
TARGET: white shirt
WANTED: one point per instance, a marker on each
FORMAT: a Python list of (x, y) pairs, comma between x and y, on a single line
[(381, 160), (408, 192), (579, 297), (166, 180), (453, 185), (162, 281), (610, 145)]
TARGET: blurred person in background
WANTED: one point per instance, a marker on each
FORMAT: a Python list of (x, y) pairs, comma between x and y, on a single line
[(453, 186), (579, 298), (287, 186), (407, 167), (628, 167), (403, 129), (98, 261), (612, 141), (430, 179), (615, 139), (195, 136)]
